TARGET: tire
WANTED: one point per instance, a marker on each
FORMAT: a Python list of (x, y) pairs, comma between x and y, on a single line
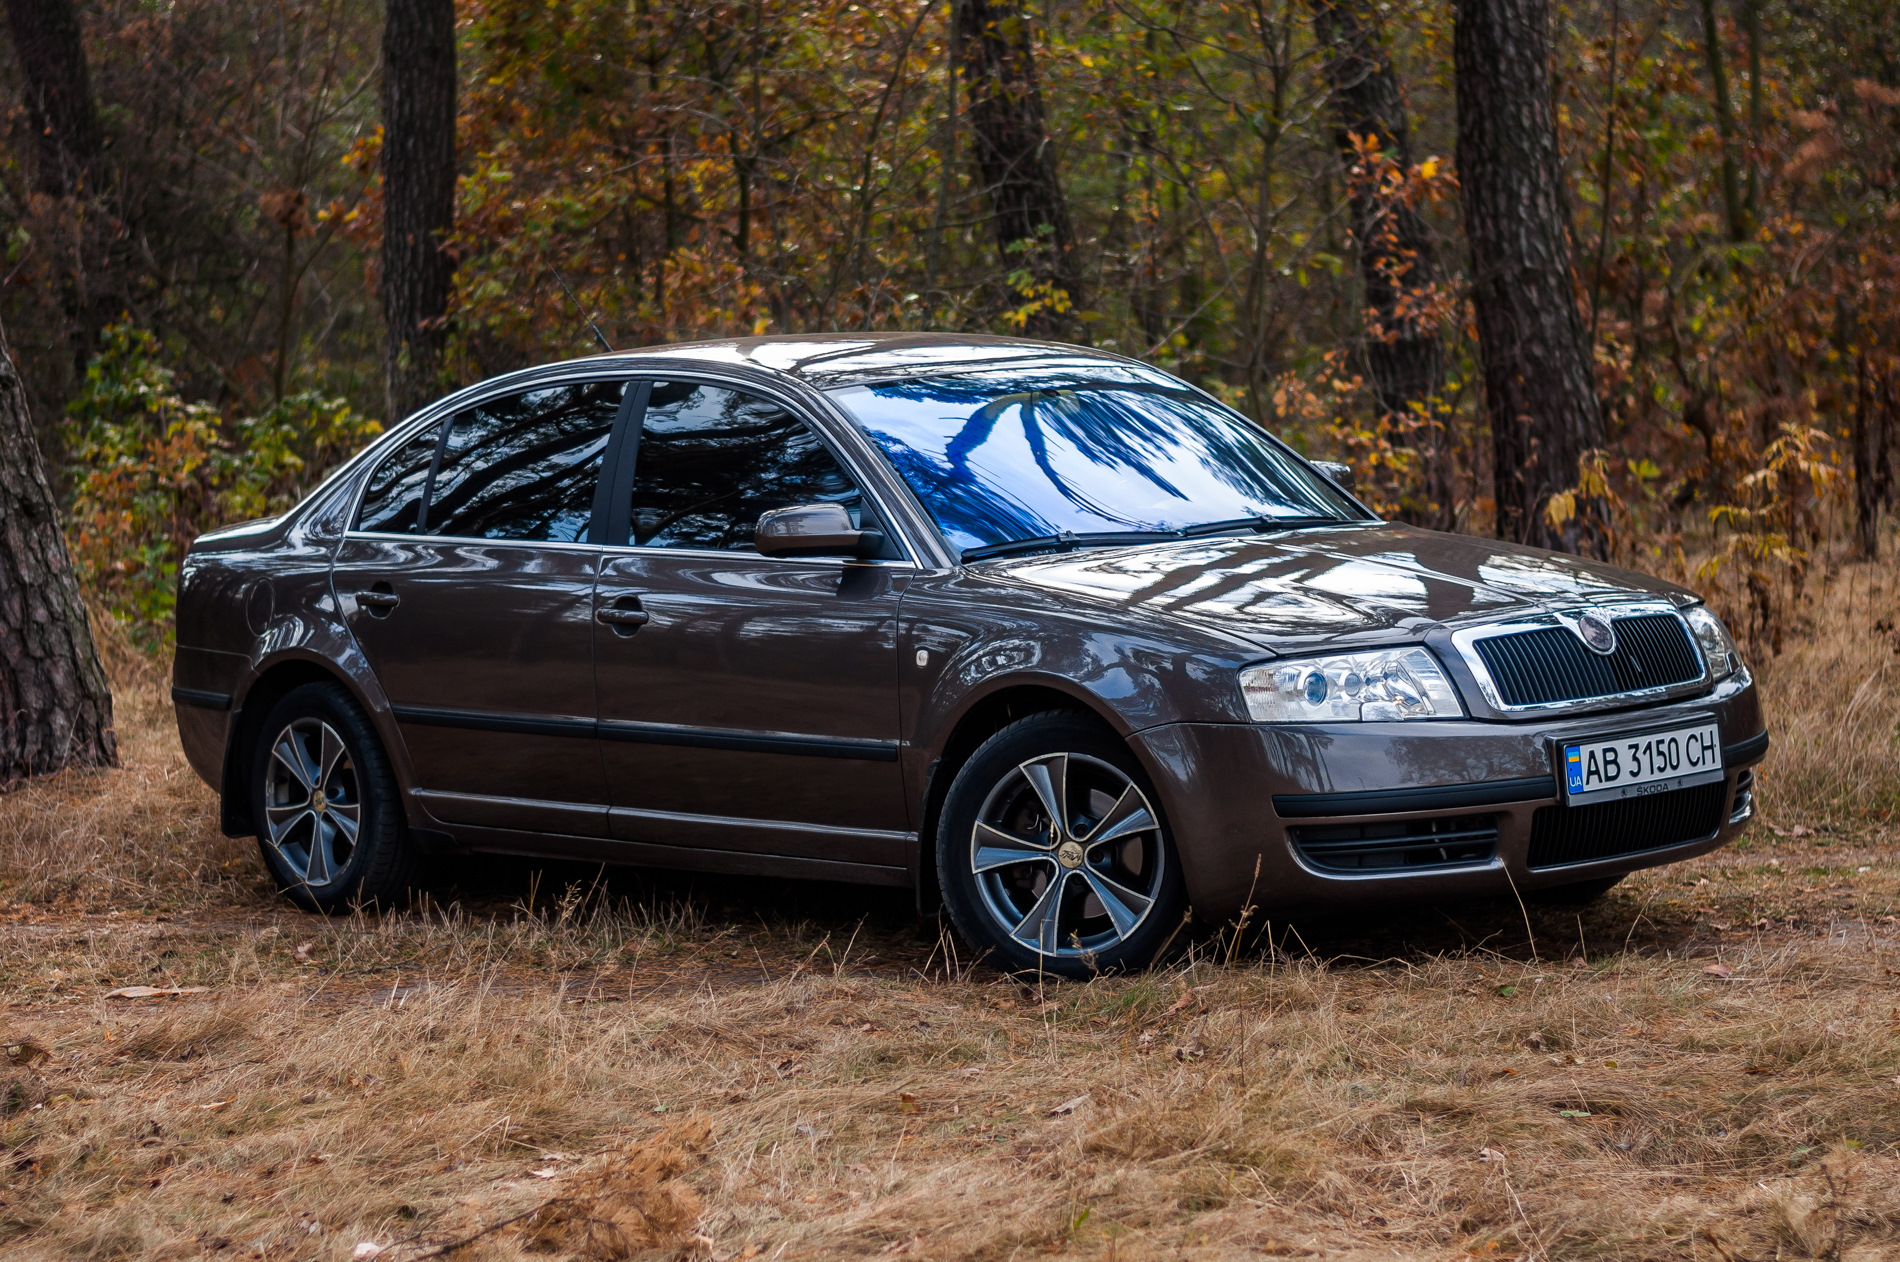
[(317, 772), (1581, 894), (1100, 894)]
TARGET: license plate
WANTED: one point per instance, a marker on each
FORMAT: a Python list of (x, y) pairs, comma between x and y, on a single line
[(1634, 766)]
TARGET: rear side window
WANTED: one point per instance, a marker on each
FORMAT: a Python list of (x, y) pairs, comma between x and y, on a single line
[(392, 503), (525, 466), (711, 460)]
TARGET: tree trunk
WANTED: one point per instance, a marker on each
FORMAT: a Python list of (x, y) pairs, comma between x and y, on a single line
[(1539, 393), (1404, 357), (1876, 407), (1724, 122), (58, 94), (418, 195), (55, 707), (1015, 159)]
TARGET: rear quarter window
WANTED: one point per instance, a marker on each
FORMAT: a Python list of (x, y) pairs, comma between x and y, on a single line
[(392, 501)]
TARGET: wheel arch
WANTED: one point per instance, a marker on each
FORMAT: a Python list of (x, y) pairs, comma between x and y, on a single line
[(983, 718), (271, 685)]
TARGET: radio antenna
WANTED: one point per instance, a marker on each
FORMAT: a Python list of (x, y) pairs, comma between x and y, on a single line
[(598, 335)]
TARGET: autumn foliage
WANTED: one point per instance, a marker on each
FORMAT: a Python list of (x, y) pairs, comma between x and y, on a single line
[(716, 167)]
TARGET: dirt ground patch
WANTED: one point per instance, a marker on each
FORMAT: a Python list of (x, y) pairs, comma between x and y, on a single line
[(547, 1060)]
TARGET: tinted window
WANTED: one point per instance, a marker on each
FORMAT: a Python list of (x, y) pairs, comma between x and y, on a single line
[(1009, 454), (712, 460), (393, 500), (525, 466)]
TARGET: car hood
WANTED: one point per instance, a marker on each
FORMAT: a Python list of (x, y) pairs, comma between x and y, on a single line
[(1332, 585)]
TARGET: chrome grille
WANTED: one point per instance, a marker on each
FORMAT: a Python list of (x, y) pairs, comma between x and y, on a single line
[(1550, 664), (1577, 834)]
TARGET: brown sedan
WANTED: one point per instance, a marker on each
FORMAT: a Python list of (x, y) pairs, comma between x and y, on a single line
[(1042, 632)]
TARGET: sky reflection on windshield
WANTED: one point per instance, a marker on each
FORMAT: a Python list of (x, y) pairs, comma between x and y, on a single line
[(1019, 453)]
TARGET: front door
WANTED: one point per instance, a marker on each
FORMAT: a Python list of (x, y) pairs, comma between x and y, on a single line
[(469, 584), (746, 703)]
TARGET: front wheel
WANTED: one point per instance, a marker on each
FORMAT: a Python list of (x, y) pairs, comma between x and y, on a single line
[(1053, 853), (329, 821)]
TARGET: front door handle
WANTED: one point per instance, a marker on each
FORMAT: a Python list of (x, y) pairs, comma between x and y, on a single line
[(624, 618)]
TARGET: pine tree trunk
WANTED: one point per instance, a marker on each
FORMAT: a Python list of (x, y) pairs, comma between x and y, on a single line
[(46, 42), (1014, 155), (55, 707), (1876, 407), (1403, 354), (1539, 392), (418, 195)]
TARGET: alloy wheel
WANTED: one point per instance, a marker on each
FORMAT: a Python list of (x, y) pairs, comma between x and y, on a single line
[(1067, 855), (313, 804)]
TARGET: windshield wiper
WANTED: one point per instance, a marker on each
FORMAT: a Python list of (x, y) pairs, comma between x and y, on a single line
[(1068, 540), (1260, 525)]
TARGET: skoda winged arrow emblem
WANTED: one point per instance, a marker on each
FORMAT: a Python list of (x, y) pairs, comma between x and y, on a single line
[(1596, 633)]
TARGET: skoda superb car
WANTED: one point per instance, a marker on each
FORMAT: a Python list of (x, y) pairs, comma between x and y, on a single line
[(1045, 634)]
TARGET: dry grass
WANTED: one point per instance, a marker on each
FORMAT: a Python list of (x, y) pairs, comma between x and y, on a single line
[(1706, 1065), (1835, 702)]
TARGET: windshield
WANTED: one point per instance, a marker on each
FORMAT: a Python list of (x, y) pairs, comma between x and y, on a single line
[(1021, 453)]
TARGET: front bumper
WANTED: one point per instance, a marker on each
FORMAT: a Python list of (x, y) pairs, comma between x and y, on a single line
[(1236, 793)]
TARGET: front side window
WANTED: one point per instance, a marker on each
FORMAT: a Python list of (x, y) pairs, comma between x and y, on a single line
[(525, 466), (392, 502), (1014, 454), (712, 460)]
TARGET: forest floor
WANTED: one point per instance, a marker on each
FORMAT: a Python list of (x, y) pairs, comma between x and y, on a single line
[(549, 1059)]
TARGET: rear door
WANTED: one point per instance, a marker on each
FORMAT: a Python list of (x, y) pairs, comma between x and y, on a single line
[(469, 583), (747, 703)]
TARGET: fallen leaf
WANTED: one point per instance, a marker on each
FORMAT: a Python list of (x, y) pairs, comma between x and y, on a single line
[(1535, 1041), (1505, 992), (1190, 1050), (365, 1251), (303, 950), (1069, 1106), (906, 1102), (1572, 1113), (1490, 1154), (971, 1072), (1187, 997), (1719, 970), (548, 1173), (148, 992), (218, 1104)]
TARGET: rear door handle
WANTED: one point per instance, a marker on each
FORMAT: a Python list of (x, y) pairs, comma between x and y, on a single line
[(378, 601), (625, 615)]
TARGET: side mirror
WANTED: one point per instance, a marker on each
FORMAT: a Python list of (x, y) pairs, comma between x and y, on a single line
[(814, 530), (1341, 474)]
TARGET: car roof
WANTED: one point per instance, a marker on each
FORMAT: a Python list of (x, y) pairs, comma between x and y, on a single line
[(827, 360)]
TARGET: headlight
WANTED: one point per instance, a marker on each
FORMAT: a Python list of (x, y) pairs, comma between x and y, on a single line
[(1376, 687), (1717, 646)]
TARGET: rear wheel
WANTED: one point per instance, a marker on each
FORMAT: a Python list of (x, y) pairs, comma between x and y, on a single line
[(1053, 854), (328, 813)]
